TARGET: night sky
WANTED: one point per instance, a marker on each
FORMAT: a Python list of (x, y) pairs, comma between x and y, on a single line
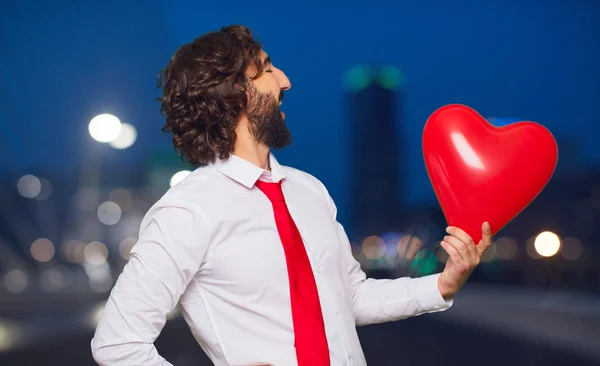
[(60, 65)]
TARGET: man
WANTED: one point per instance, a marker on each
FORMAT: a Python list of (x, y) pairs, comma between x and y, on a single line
[(251, 249)]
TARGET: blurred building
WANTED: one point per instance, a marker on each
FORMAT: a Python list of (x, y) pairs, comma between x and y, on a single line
[(373, 108)]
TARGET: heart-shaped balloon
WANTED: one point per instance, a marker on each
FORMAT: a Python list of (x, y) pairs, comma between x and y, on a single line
[(481, 172)]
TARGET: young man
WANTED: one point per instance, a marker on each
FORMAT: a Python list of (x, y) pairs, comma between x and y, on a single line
[(251, 249)]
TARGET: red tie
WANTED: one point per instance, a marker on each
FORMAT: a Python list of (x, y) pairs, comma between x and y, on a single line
[(309, 329)]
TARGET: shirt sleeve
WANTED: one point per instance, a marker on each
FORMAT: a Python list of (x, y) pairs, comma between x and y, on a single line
[(383, 300), (168, 254)]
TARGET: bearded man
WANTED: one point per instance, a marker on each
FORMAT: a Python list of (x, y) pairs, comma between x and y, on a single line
[(251, 249)]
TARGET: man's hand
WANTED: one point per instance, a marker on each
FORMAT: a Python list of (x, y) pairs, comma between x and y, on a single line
[(463, 257)]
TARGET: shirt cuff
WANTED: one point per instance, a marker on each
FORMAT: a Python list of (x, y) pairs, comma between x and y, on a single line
[(428, 294)]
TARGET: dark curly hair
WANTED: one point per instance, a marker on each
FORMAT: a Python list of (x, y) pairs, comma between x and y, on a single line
[(205, 88)]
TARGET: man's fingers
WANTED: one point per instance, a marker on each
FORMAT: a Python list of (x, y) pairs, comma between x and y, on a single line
[(460, 234), (457, 260), (467, 252), (454, 255), (486, 238)]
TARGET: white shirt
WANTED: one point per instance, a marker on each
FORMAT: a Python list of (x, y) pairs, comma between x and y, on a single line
[(211, 244)]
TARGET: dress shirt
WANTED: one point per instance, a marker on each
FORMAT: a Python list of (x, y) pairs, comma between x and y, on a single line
[(211, 245)]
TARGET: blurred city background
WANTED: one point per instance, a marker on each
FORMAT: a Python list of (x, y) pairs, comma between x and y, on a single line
[(82, 158)]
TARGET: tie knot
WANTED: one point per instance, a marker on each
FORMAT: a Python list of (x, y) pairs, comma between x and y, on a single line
[(273, 191)]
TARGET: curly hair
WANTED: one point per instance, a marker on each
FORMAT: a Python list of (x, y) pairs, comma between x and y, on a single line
[(205, 88)]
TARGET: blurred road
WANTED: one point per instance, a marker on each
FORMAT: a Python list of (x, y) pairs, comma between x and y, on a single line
[(488, 325)]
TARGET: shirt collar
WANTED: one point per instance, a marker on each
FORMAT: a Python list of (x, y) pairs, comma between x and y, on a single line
[(246, 173)]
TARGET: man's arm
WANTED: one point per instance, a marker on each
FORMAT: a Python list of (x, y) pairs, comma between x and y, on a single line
[(384, 300), (162, 263)]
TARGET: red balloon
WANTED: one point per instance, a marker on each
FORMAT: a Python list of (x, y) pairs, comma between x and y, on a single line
[(481, 172)]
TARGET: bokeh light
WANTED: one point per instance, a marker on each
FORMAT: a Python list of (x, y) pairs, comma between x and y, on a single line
[(100, 278), (373, 247), (357, 78), (54, 279), (121, 197), (105, 128), (9, 334), (16, 280), (506, 247), (72, 251), (109, 213), (42, 250), (29, 186), (571, 248), (45, 190), (390, 77), (126, 137), (95, 253), (547, 244)]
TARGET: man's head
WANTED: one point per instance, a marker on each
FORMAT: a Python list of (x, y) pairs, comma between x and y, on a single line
[(218, 82)]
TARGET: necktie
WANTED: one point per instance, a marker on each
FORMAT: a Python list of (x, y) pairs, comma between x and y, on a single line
[(309, 330)]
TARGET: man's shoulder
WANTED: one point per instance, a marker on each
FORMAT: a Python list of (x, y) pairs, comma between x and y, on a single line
[(306, 180), (310, 182), (301, 176), (184, 199), (195, 187)]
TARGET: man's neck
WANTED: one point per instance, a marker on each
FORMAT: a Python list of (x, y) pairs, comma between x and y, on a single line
[(257, 155), (248, 149)]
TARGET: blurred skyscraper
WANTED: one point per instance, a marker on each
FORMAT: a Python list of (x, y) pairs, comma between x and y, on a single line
[(373, 104)]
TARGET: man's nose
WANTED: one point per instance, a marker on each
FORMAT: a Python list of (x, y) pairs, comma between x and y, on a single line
[(284, 82)]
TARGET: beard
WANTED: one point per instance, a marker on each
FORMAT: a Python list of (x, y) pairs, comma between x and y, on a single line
[(267, 124)]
